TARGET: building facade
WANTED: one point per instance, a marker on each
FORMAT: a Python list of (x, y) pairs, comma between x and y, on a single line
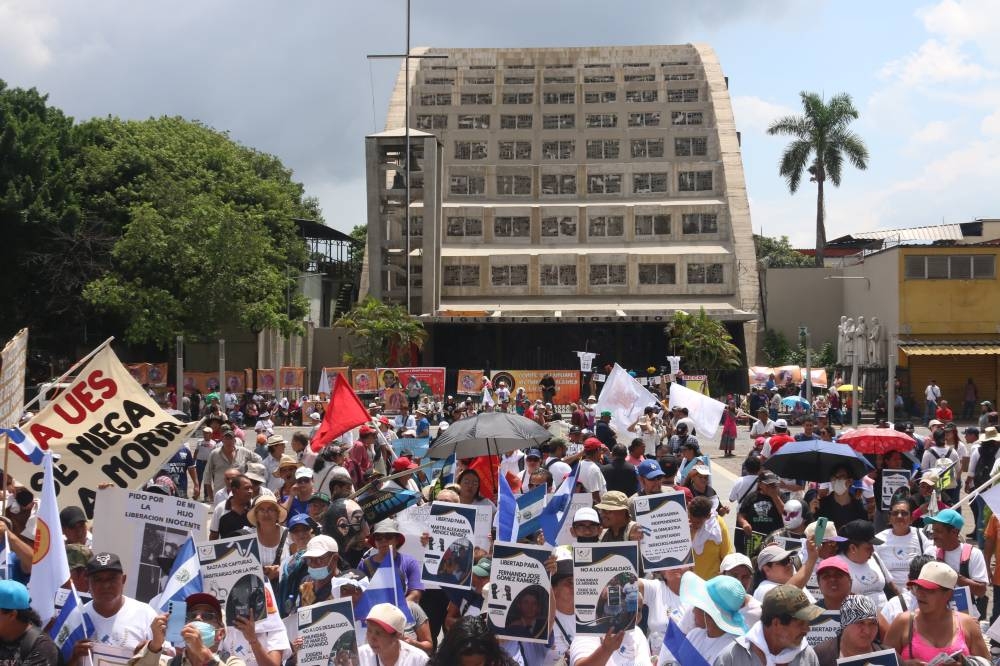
[(586, 193)]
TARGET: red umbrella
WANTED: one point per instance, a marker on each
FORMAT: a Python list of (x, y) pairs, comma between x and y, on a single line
[(877, 440)]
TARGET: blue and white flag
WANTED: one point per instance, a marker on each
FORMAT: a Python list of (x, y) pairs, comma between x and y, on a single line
[(51, 568), (385, 587), (24, 445), (184, 579), (529, 511), (680, 647), (506, 518), (448, 471), (554, 514), (71, 626)]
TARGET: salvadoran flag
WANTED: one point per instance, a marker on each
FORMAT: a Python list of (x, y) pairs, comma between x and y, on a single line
[(385, 587), (71, 626), (50, 569), (24, 445), (184, 579), (448, 470), (506, 518), (680, 647), (554, 514), (529, 511)]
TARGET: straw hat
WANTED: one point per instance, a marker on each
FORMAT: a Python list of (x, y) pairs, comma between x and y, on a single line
[(262, 500)]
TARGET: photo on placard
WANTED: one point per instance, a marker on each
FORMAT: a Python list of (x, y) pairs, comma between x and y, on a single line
[(247, 595), (456, 559), (619, 602), (529, 612), (156, 555)]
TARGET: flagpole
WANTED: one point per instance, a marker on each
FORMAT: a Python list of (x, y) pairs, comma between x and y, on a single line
[(975, 493), (389, 478), (66, 374)]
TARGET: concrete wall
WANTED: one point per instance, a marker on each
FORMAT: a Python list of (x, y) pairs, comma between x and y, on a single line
[(878, 294), (804, 297)]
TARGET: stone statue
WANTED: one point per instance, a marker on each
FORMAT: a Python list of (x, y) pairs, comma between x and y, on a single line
[(861, 342), (848, 340), (842, 341), (876, 356)]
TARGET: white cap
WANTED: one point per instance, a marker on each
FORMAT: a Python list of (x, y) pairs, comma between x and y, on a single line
[(315, 416), (443, 426), (586, 515), (388, 617), (733, 560), (320, 545), (781, 423), (303, 473)]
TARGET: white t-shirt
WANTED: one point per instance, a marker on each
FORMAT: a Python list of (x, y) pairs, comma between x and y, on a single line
[(867, 579), (559, 471), (760, 429), (932, 393), (126, 628), (767, 585), (953, 558), (591, 478), (707, 647), (511, 463), (562, 637), (894, 606), (408, 656), (742, 487), (237, 645), (634, 650), (662, 604), (897, 551)]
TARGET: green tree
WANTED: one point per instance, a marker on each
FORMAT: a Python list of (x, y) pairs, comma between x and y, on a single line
[(381, 328), (822, 139), (778, 253), (205, 228), (356, 253), (774, 348), (703, 344)]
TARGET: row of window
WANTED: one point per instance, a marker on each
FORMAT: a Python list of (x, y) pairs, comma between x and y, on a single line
[(480, 121), (674, 96), (950, 267), (559, 66), (565, 275), (597, 149), (481, 77), (598, 226), (552, 184)]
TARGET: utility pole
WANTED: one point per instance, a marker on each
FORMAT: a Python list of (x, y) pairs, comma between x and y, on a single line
[(890, 365)]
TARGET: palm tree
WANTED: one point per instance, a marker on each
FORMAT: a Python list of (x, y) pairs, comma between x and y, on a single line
[(823, 136)]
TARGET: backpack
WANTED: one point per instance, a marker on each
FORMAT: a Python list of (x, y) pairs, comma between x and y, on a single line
[(963, 565), (987, 456)]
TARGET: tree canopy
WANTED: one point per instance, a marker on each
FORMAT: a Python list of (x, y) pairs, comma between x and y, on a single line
[(703, 344), (822, 141), (778, 253), (150, 228), (382, 328)]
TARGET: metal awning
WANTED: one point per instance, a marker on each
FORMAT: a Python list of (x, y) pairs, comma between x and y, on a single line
[(951, 349)]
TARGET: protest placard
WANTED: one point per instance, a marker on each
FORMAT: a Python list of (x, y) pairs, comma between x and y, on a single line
[(106, 430), (892, 480), (823, 627), (961, 601), (327, 633), (880, 658), (412, 522), (518, 605), (753, 543), (578, 501), (791, 544), (605, 586), (453, 529), (666, 534), (231, 572), (13, 360), (158, 525), (105, 654)]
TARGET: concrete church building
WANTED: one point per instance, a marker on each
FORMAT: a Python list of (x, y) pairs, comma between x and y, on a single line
[(561, 198)]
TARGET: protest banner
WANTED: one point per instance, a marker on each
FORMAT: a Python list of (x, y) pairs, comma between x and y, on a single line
[(791, 544), (158, 526), (823, 627), (231, 572), (880, 658), (236, 381), (416, 445), (577, 502), (381, 503), (431, 379), (106, 430), (157, 374), (393, 401), (330, 374), (105, 654), (567, 384), (605, 586), (518, 603), (753, 543), (139, 371), (327, 633), (470, 382), (625, 398), (291, 379), (453, 529), (13, 360), (892, 480), (267, 380), (666, 535), (364, 380)]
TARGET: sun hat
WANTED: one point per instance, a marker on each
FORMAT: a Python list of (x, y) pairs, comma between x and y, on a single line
[(771, 554), (721, 597), (649, 469), (856, 608), (387, 526), (586, 515), (274, 440), (733, 560), (789, 600), (613, 500), (388, 617), (990, 434), (256, 472), (948, 517), (284, 463), (266, 499), (934, 422), (320, 545), (936, 575)]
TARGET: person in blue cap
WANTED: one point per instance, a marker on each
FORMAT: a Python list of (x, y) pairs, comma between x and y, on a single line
[(964, 558), (21, 639)]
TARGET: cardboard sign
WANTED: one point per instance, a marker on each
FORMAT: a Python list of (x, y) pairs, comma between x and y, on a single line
[(518, 603), (13, 360), (327, 632), (605, 586), (892, 480), (364, 380), (448, 557), (961, 601), (106, 430), (158, 526), (231, 572), (567, 383), (666, 535)]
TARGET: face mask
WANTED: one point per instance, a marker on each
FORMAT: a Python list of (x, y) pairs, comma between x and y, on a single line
[(207, 632), (592, 539), (839, 486), (318, 573)]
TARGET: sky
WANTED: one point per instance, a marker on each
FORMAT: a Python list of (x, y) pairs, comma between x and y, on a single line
[(293, 79)]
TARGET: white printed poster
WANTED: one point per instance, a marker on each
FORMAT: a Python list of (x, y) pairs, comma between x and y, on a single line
[(579, 501), (327, 633), (666, 534), (605, 585), (518, 602), (453, 529), (231, 572), (892, 480), (823, 627), (412, 522), (158, 525)]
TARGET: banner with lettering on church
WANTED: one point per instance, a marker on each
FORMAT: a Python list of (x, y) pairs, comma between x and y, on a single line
[(565, 382)]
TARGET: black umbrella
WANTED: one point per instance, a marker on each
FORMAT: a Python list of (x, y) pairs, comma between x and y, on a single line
[(815, 460), (488, 434)]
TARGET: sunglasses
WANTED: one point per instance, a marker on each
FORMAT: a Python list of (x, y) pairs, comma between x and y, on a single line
[(208, 616)]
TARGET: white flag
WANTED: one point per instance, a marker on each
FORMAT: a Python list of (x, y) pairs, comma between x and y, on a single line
[(704, 411), (626, 399), (51, 568)]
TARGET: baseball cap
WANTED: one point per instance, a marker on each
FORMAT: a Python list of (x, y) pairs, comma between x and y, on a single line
[(934, 575), (835, 562), (934, 422), (403, 464), (592, 444), (320, 497), (649, 469), (829, 534), (372, 405), (605, 412), (861, 531), (70, 516), (574, 430), (207, 431), (444, 425), (971, 430), (930, 477), (586, 515), (77, 555), (613, 500), (205, 599), (703, 470), (789, 600), (315, 416), (948, 517), (733, 560), (533, 453), (303, 473), (781, 423), (300, 519), (320, 545), (388, 617), (14, 595), (772, 553), (482, 568), (364, 431), (104, 562)]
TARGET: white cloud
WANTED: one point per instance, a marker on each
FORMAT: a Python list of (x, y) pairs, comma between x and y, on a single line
[(960, 21), (754, 115), (991, 124), (934, 62), (24, 29), (933, 132)]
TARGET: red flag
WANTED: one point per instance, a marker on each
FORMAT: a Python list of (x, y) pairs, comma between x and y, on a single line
[(486, 468), (344, 412)]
